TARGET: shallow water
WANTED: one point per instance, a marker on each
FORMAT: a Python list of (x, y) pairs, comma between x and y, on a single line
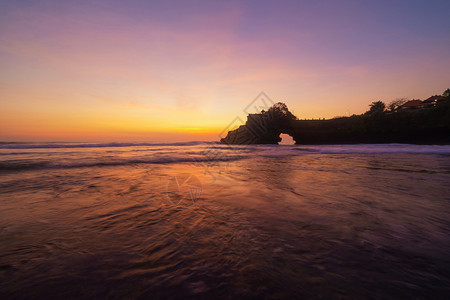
[(206, 221)]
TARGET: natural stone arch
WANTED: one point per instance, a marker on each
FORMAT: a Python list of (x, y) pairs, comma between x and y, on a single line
[(286, 139), (264, 128)]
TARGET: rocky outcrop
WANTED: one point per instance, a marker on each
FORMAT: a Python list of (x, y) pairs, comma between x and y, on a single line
[(263, 128), (431, 125), (259, 129)]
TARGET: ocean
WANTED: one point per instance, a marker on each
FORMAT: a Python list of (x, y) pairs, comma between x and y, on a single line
[(205, 220)]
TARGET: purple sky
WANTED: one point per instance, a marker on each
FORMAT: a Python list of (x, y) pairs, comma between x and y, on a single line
[(167, 70)]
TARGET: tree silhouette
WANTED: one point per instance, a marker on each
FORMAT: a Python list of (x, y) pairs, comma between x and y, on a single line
[(279, 111), (376, 107), (446, 93), (395, 104)]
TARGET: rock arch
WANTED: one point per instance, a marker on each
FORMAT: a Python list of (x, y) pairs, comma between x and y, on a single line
[(286, 139), (264, 128)]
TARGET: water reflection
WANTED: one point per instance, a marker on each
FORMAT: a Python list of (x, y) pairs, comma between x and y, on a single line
[(311, 226), (286, 139)]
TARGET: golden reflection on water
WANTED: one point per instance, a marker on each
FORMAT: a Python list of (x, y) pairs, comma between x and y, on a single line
[(287, 227)]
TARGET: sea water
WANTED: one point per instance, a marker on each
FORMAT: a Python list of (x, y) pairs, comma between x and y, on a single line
[(204, 220)]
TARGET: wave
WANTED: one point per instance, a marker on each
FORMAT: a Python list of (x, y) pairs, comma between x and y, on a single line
[(176, 153), (90, 145), (324, 149), (26, 165), (375, 149)]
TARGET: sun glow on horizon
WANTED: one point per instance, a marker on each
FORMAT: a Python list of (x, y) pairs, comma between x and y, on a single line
[(173, 71)]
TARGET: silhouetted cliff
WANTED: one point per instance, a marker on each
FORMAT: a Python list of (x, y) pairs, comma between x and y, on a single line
[(421, 126)]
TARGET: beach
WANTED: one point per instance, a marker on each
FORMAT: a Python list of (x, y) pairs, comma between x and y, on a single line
[(204, 220)]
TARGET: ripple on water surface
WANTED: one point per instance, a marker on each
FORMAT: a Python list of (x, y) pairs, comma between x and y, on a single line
[(311, 225)]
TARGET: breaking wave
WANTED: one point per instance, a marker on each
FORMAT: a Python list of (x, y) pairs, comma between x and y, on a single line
[(88, 145), (25, 165), (18, 157)]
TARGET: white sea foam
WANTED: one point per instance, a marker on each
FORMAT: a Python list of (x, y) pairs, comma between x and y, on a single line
[(15, 157)]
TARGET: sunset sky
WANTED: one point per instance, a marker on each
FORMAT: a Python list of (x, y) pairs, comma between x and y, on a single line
[(162, 71)]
